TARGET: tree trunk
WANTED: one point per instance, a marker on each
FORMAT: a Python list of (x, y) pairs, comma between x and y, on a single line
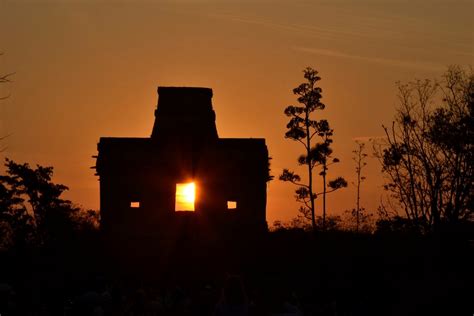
[(310, 170), (324, 196), (358, 191)]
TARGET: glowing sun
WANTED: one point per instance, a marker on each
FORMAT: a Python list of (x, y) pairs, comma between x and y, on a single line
[(185, 196)]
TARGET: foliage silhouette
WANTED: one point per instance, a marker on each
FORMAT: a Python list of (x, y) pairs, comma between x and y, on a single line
[(428, 156), (303, 129), (32, 206)]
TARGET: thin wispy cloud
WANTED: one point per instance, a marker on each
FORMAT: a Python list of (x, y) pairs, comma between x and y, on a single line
[(378, 60), (329, 32), (256, 21), (376, 30)]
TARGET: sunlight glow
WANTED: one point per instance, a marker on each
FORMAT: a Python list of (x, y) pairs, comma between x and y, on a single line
[(185, 196)]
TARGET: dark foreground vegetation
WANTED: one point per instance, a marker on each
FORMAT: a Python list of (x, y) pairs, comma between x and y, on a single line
[(285, 272), (416, 260)]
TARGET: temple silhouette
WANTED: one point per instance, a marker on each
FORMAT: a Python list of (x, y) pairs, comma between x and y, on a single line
[(184, 175)]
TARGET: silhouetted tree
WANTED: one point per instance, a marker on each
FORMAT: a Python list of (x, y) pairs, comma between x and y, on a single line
[(428, 156), (303, 129), (323, 155), (358, 219), (359, 159), (32, 205)]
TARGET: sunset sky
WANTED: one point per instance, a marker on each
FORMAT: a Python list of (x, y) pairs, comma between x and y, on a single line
[(86, 69)]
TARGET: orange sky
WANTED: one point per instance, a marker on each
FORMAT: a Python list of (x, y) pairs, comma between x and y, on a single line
[(86, 69)]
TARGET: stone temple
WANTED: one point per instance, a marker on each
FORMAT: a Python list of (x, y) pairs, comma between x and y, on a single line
[(184, 175)]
